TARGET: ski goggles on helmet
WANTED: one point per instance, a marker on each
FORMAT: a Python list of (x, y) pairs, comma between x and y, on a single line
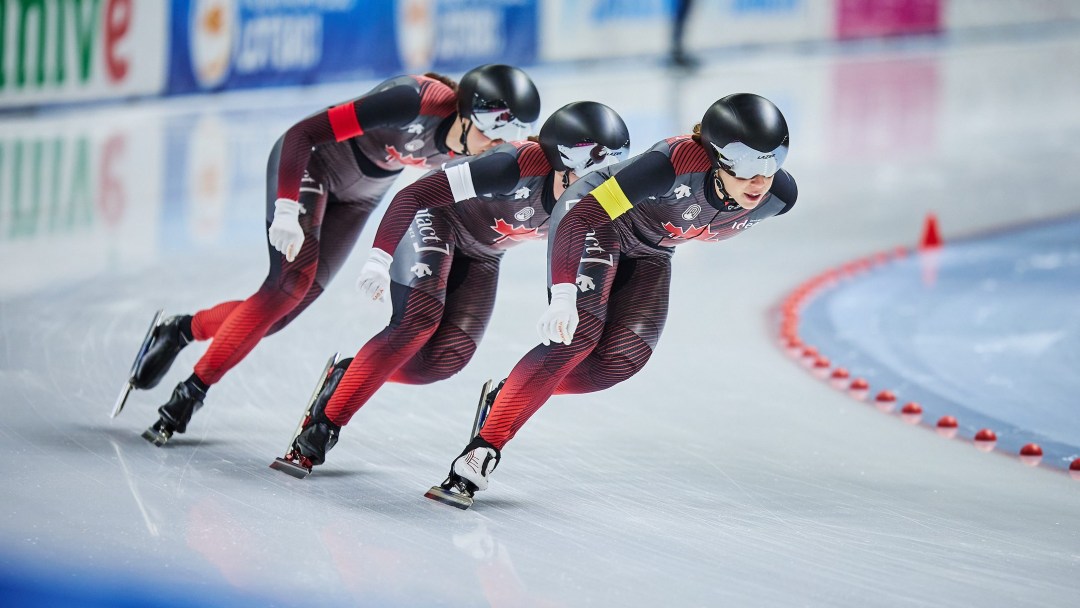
[(585, 157), (744, 162), (500, 123)]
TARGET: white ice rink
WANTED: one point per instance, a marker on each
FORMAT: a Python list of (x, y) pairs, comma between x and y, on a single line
[(721, 475)]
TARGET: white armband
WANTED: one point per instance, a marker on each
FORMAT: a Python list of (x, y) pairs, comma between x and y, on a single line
[(461, 184)]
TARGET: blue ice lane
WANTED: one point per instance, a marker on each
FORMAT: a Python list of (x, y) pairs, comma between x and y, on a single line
[(986, 329)]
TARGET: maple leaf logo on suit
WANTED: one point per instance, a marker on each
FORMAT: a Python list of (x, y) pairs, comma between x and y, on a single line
[(514, 233), (693, 232)]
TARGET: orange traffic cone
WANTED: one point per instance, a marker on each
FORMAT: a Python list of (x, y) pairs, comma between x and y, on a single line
[(931, 238), (930, 250)]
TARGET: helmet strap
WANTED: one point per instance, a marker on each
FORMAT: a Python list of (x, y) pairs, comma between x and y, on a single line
[(566, 179), (466, 126), (725, 199)]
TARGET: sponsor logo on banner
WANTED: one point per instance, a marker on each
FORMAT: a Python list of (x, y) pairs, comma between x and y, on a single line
[(66, 51), (229, 44), (468, 32), (232, 39), (416, 33), (463, 33), (212, 29)]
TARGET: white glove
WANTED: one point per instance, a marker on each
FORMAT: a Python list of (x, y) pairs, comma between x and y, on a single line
[(374, 281), (559, 321), (286, 235)]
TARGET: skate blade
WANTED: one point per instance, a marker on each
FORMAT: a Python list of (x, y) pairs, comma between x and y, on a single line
[(290, 468), (454, 499), (128, 385), (122, 399), (481, 413), (158, 438)]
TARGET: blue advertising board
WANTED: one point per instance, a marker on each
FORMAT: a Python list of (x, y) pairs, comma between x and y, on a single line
[(228, 44)]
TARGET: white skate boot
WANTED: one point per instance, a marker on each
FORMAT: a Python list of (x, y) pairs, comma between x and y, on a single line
[(468, 474)]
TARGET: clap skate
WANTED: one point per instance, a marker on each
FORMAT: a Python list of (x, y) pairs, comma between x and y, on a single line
[(159, 433), (457, 491), (295, 462), (186, 399), (130, 382)]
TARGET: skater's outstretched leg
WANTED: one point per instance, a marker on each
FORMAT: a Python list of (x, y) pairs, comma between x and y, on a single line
[(319, 433), (467, 306), (206, 323), (635, 320), (415, 319)]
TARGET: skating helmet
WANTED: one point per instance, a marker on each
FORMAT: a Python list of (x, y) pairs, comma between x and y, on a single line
[(584, 136), (745, 135), (501, 100)]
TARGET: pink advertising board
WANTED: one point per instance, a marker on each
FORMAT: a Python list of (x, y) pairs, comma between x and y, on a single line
[(868, 18)]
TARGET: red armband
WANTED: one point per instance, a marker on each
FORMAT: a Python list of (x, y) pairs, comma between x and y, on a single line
[(344, 122)]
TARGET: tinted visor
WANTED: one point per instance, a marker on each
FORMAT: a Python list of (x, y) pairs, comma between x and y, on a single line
[(499, 123), (586, 157), (744, 162)]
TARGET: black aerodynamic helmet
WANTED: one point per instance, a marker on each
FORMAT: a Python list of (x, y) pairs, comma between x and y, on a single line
[(501, 100), (584, 136), (745, 135)]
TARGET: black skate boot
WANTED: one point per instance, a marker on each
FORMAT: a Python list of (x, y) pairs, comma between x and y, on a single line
[(169, 338), (468, 474), (317, 434), (187, 397)]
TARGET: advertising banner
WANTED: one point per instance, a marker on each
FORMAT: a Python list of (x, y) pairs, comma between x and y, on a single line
[(75, 50), (866, 18), (455, 35), (228, 44)]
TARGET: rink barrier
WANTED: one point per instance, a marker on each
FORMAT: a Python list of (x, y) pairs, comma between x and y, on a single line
[(60, 52), (841, 378)]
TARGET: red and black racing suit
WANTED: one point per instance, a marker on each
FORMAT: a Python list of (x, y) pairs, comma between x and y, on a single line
[(614, 233), (448, 231), (338, 164)]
